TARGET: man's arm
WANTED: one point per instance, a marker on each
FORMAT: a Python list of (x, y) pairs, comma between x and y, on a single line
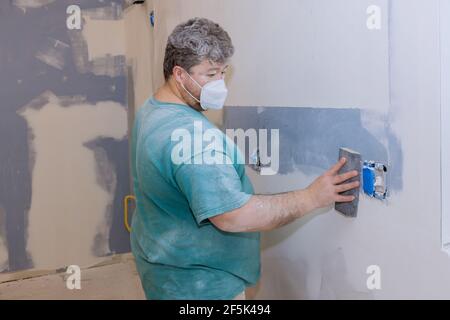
[(268, 212)]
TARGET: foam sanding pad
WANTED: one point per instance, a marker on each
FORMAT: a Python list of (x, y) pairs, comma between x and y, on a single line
[(350, 209)]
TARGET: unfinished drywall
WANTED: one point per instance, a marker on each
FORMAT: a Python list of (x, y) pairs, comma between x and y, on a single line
[(73, 187), (99, 46), (139, 53), (309, 57), (63, 134), (3, 245)]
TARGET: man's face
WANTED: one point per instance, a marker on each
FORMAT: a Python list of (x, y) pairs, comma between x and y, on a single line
[(202, 73)]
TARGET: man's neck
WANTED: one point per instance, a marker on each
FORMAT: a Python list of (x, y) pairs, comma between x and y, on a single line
[(169, 93)]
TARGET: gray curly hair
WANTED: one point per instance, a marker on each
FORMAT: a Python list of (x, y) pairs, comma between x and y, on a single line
[(193, 41)]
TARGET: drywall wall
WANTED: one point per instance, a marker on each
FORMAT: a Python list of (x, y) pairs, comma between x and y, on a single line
[(445, 120), (63, 134), (275, 33), (376, 90), (265, 31), (139, 54)]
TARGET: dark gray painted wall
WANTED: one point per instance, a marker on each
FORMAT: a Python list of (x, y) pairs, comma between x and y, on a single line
[(312, 137)]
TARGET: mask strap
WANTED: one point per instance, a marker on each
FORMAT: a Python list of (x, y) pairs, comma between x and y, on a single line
[(190, 93), (182, 85), (194, 80)]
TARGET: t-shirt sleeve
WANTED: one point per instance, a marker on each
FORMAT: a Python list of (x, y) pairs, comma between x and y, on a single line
[(211, 189)]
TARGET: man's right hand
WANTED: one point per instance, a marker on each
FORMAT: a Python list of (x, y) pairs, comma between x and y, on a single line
[(324, 191), (268, 212)]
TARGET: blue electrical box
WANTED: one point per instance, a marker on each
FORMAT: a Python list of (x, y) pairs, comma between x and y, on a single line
[(374, 179), (152, 18)]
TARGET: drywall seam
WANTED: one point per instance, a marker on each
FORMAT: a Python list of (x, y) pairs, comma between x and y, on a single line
[(310, 137)]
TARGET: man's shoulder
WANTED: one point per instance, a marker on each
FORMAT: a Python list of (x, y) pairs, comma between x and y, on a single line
[(169, 120), (164, 125)]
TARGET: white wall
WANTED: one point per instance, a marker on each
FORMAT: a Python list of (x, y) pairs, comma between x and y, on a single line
[(319, 53), (445, 120)]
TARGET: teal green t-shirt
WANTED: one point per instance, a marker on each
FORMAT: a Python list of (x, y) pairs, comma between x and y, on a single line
[(179, 253)]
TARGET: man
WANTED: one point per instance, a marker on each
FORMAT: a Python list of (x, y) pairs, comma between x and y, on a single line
[(195, 231)]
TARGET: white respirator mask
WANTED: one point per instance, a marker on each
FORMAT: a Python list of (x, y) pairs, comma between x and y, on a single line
[(213, 94)]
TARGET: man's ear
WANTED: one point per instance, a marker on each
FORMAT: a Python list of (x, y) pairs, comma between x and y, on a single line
[(177, 73)]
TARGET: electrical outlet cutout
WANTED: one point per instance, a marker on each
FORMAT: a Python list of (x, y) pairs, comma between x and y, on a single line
[(374, 179)]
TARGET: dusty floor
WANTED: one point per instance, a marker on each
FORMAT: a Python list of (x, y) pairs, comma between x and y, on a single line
[(114, 278)]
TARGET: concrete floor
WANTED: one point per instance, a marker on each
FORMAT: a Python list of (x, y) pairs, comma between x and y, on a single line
[(115, 278), (112, 278)]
